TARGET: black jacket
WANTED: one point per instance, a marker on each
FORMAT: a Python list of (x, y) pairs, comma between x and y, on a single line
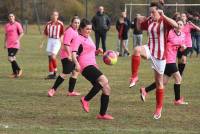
[(101, 22)]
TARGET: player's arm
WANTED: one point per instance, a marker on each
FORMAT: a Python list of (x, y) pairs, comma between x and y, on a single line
[(195, 26), (169, 20), (67, 49), (74, 59), (44, 37), (20, 36)]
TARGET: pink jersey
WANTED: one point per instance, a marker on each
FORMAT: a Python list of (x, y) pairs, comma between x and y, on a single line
[(86, 49), (174, 42), (157, 32), (187, 30), (12, 32), (69, 35)]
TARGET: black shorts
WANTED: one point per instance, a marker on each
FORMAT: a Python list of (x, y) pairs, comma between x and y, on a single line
[(91, 73), (12, 52), (68, 66), (185, 52), (170, 68)]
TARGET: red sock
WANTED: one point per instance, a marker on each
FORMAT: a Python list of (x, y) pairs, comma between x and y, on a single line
[(135, 65), (159, 98), (51, 68), (54, 62)]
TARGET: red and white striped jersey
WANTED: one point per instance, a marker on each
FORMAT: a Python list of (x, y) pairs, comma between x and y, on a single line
[(54, 29), (157, 32)]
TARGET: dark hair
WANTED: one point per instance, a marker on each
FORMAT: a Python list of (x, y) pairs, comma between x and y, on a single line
[(154, 4), (84, 23), (179, 19), (75, 17)]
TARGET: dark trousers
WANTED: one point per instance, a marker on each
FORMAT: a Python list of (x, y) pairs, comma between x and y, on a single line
[(101, 35)]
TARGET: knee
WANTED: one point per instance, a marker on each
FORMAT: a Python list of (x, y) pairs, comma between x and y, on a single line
[(64, 76), (106, 87), (178, 80), (137, 50), (11, 59)]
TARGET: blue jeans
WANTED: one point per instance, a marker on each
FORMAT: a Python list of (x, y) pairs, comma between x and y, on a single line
[(196, 43)]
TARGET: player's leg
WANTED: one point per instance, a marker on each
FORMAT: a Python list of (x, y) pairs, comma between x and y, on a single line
[(178, 99), (104, 98), (91, 73), (145, 90), (68, 67), (72, 83), (138, 52), (182, 60), (12, 58), (159, 94)]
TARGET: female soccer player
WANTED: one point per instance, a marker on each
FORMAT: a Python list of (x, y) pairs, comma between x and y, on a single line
[(182, 56), (13, 35), (175, 40), (66, 58), (158, 26), (86, 63), (54, 30)]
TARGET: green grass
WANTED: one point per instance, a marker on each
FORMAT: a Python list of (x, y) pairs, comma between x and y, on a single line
[(26, 109)]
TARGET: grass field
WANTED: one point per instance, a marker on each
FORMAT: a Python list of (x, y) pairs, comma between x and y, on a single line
[(26, 109)]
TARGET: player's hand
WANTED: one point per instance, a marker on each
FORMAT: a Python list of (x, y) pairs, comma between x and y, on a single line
[(70, 57), (182, 48), (161, 12), (4, 46)]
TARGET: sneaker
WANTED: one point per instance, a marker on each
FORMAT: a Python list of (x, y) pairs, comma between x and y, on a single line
[(180, 102), (73, 93), (105, 117), (19, 73), (51, 92), (85, 104), (157, 114), (133, 81), (143, 94), (50, 76)]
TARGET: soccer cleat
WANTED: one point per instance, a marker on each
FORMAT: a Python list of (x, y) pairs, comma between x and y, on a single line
[(105, 117), (51, 92), (85, 104), (133, 81), (19, 73), (50, 76), (157, 114), (73, 93), (143, 94), (180, 102)]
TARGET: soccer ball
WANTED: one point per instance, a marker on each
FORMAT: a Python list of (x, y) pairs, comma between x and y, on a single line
[(110, 57)]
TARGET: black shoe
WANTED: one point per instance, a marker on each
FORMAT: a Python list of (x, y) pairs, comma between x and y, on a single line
[(51, 76)]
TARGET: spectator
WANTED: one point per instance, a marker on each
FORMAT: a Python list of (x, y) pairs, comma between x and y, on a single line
[(100, 25), (122, 26), (137, 33)]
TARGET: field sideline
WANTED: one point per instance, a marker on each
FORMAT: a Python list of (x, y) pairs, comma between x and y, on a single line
[(26, 109)]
